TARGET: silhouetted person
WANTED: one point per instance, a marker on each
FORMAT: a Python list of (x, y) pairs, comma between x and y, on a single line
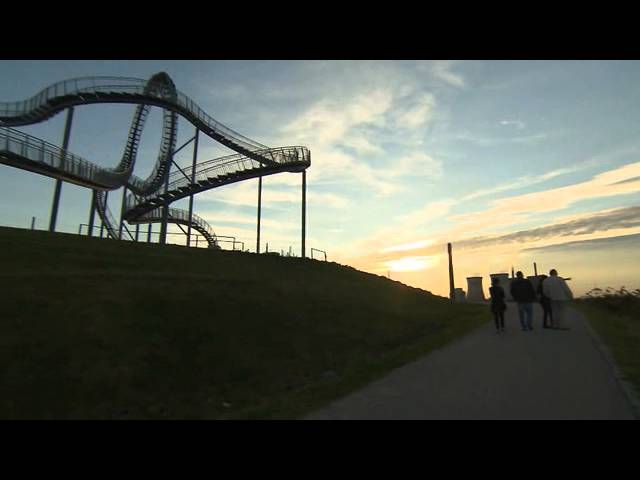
[(559, 293), (523, 292), (498, 305), (546, 305)]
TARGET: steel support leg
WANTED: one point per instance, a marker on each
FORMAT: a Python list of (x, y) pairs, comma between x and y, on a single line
[(92, 213), (106, 198), (122, 210), (259, 213), (58, 188), (165, 211), (193, 180), (137, 231), (304, 211), (149, 234)]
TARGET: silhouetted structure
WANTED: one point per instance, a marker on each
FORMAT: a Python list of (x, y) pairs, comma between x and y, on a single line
[(148, 199), (475, 293), (459, 295), (452, 288)]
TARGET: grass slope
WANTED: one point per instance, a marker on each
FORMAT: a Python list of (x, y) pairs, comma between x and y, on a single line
[(616, 318), (94, 328)]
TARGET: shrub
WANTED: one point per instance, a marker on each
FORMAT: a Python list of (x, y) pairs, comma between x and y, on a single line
[(618, 301)]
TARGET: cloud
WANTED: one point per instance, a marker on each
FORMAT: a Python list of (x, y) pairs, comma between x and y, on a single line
[(604, 221), (521, 207), (429, 212), (327, 121), (519, 124), (408, 246), (442, 71), (419, 113), (416, 164), (493, 141), (528, 180), (631, 240), (411, 264)]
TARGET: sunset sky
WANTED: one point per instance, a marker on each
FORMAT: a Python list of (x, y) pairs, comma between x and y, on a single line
[(510, 161)]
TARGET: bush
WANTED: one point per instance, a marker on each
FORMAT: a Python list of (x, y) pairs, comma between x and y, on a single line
[(617, 301)]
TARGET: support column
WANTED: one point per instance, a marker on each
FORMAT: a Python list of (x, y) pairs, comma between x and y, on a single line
[(452, 289), (259, 212), (165, 207), (137, 231), (193, 180), (122, 210), (149, 234), (58, 188), (304, 212), (106, 198), (92, 213)]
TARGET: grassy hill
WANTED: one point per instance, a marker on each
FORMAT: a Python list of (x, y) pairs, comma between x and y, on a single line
[(94, 328)]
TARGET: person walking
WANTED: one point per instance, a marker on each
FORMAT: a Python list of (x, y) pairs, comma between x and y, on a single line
[(546, 305), (559, 293), (498, 305), (524, 294)]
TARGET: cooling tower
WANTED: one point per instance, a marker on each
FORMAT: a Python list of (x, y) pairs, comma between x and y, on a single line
[(475, 293), (460, 296), (505, 283)]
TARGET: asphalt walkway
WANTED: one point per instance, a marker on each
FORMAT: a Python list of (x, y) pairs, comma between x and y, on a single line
[(539, 374)]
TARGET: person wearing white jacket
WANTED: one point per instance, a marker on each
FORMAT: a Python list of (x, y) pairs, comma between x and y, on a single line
[(557, 290)]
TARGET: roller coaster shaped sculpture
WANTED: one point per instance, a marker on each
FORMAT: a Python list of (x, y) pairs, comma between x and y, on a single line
[(147, 199)]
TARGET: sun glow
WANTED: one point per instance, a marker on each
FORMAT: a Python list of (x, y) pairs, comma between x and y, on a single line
[(412, 264), (408, 246)]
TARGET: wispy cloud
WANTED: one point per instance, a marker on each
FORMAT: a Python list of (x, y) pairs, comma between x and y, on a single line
[(408, 246), (519, 124), (418, 114), (604, 221), (442, 70), (485, 141), (520, 207), (529, 180)]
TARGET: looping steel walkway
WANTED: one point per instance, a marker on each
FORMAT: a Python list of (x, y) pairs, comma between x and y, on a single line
[(543, 374), (143, 204)]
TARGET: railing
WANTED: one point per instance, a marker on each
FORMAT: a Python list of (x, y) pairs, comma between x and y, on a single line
[(125, 86), (219, 167), (159, 91), (180, 216), (49, 155)]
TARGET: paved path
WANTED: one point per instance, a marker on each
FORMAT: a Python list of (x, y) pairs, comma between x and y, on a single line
[(543, 374)]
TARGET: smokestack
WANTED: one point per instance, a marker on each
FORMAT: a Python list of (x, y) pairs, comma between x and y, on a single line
[(513, 275), (535, 269), (452, 289), (475, 293)]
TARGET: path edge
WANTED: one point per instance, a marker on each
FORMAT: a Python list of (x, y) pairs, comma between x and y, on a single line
[(626, 387)]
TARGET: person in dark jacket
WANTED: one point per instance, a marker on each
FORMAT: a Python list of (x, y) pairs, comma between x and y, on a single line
[(524, 294), (546, 305), (498, 305)]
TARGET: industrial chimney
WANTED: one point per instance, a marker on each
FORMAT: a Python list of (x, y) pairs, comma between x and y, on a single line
[(475, 293)]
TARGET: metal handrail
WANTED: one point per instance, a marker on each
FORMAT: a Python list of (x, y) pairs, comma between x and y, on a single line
[(160, 91), (176, 215), (124, 85), (212, 169)]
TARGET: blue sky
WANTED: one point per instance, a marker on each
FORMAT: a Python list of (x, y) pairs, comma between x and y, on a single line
[(508, 160)]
